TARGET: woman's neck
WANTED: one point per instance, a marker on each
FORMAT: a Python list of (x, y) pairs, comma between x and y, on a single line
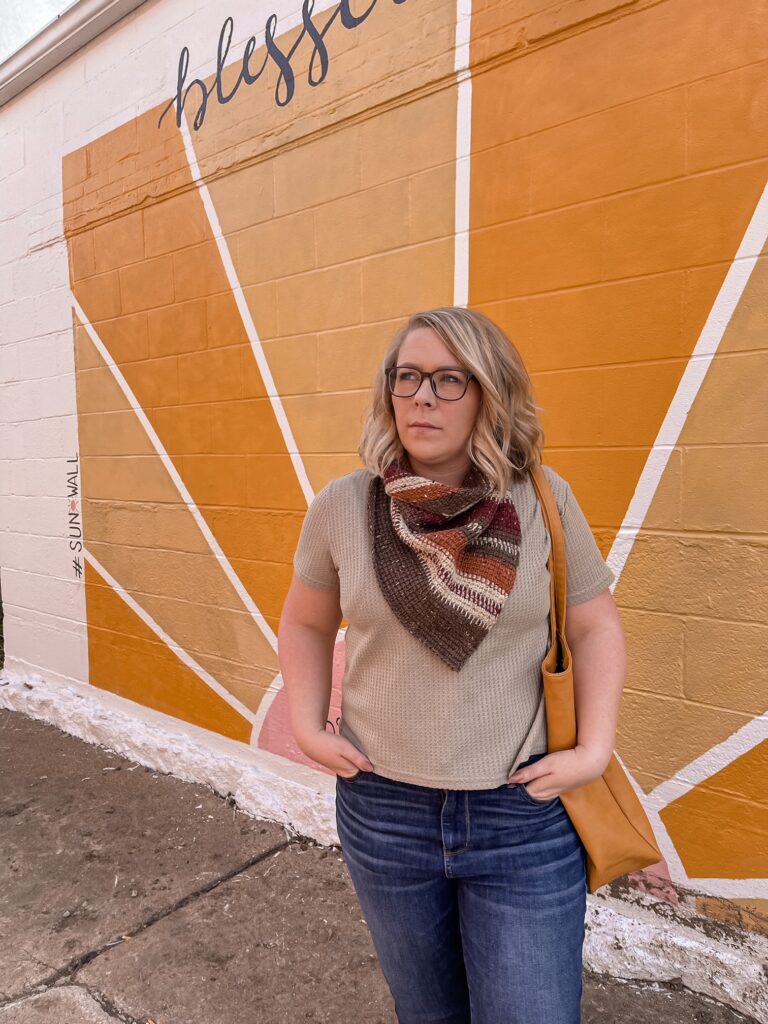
[(452, 474)]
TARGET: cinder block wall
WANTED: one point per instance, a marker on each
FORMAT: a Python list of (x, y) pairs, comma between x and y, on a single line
[(618, 231), (192, 315)]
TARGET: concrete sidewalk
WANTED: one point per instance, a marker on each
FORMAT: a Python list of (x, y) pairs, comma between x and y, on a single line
[(129, 895)]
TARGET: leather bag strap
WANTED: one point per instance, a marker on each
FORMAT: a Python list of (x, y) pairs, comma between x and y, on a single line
[(556, 561)]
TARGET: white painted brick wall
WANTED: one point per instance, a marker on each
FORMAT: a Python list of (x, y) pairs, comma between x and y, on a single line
[(54, 594), (13, 154), (29, 399), (33, 515), (6, 287)]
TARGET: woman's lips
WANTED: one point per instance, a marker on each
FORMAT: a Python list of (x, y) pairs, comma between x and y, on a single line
[(415, 426)]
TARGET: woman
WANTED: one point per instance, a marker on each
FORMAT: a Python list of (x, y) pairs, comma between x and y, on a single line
[(470, 874)]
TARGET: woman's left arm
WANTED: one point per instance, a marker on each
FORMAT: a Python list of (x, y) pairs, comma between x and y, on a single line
[(595, 636)]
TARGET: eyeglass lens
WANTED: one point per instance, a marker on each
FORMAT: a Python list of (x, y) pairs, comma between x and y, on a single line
[(404, 382)]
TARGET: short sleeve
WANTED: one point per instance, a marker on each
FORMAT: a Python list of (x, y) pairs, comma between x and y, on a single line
[(587, 573), (313, 561)]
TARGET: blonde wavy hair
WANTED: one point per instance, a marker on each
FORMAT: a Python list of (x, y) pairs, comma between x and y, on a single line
[(507, 438)]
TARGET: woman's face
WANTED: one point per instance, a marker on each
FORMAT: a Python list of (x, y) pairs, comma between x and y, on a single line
[(439, 453)]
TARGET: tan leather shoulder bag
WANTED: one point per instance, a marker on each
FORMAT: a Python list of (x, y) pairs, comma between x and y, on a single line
[(607, 813)]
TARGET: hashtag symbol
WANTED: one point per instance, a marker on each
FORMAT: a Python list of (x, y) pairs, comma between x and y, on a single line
[(78, 568)]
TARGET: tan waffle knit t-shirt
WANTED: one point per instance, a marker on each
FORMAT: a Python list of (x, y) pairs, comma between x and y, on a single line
[(416, 719)]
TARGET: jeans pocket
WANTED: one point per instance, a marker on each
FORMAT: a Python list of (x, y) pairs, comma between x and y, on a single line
[(523, 787), (351, 778)]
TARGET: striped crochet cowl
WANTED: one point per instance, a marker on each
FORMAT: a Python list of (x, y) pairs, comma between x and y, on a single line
[(446, 557)]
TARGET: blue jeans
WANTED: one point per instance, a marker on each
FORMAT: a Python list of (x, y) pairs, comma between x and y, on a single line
[(475, 899)]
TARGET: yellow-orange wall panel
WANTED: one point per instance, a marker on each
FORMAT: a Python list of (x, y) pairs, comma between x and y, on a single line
[(320, 300), (587, 217), (700, 563), (560, 78), (660, 735), (176, 328), (350, 356), (149, 673), (398, 49), (432, 200), (298, 357), (277, 248), (237, 427), (655, 639), (305, 217), (403, 282), (602, 323), (737, 505), (749, 323), (723, 667), (675, 574), (177, 222), (598, 164), (735, 412), (727, 114), (199, 374), (371, 221), (100, 296), (721, 826), (178, 580)]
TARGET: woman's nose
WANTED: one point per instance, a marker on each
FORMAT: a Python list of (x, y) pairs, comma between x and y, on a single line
[(422, 393)]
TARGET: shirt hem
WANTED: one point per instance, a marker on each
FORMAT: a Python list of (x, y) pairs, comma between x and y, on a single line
[(444, 783), (590, 591), (317, 584)]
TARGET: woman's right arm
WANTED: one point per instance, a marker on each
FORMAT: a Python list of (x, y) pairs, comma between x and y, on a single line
[(306, 638)]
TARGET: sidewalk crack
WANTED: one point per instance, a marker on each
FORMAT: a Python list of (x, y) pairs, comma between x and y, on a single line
[(106, 1004), (69, 970)]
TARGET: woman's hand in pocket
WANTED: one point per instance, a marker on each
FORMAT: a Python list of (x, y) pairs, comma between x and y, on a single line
[(560, 771), (336, 753)]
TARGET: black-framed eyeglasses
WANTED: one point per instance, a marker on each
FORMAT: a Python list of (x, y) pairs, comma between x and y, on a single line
[(447, 383)]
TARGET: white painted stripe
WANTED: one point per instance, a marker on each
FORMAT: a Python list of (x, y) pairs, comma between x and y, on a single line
[(663, 838), (264, 707), (168, 640), (463, 142), (264, 368), (698, 771), (245, 316), (688, 388), (710, 762), (167, 461)]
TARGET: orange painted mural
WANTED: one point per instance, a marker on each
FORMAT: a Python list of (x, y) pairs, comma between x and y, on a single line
[(240, 253)]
